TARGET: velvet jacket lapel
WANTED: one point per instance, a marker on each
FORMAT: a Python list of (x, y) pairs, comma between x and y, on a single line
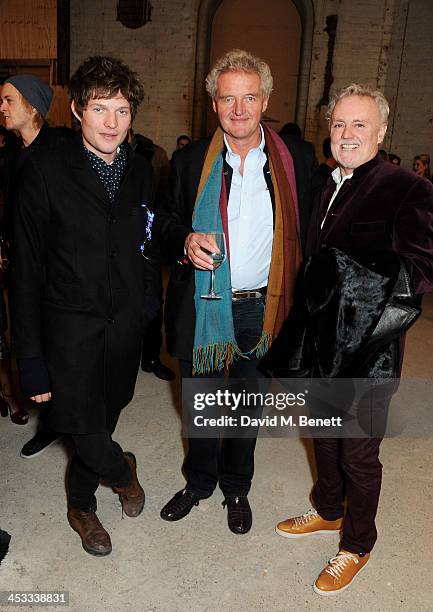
[(317, 235)]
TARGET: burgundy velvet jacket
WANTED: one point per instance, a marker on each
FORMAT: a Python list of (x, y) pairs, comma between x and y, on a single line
[(382, 207), (382, 211)]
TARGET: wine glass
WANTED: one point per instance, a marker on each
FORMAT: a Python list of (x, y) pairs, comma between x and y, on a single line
[(218, 255)]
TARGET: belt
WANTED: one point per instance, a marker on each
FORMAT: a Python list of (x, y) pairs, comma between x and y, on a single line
[(248, 294)]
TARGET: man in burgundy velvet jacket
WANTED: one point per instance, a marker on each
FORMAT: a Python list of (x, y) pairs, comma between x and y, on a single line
[(366, 204)]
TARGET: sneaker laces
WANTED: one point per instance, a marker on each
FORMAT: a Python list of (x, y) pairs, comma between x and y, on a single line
[(339, 563), (305, 518)]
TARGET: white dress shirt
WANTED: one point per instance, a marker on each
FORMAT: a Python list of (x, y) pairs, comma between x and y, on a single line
[(250, 220), (339, 180)]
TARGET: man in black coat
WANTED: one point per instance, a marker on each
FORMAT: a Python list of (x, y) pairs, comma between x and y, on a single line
[(25, 103), (82, 292), (249, 183)]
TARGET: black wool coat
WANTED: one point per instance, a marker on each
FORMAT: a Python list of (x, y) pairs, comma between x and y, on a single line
[(176, 224), (79, 283)]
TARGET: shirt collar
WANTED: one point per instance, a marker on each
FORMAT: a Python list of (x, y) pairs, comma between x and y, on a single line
[(360, 171), (96, 159), (260, 147), (338, 177)]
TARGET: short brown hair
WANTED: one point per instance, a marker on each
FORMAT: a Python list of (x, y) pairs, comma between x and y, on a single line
[(104, 77)]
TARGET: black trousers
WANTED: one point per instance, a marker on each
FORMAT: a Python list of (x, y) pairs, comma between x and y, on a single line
[(152, 340), (97, 457), (350, 468), (230, 461)]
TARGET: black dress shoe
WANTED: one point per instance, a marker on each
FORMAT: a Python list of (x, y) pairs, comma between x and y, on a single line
[(159, 369), (40, 442), (179, 506), (239, 516)]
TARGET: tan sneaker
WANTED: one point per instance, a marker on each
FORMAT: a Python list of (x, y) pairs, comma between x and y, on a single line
[(310, 523), (339, 573)]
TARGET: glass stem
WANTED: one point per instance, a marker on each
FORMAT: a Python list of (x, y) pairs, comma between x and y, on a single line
[(212, 280)]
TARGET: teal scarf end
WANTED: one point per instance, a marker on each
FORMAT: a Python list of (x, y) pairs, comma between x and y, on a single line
[(214, 357), (217, 356)]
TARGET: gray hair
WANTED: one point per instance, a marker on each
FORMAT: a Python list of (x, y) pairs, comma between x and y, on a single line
[(354, 89), (238, 60)]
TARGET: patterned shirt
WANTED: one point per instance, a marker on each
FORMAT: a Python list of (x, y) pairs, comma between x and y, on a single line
[(110, 175)]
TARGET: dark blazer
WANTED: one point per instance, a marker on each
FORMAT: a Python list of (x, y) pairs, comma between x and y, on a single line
[(383, 211), (381, 206), (79, 283), (176, 220)]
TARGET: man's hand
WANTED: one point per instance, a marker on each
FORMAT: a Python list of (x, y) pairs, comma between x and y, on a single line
[(196, 246), (45, 397)]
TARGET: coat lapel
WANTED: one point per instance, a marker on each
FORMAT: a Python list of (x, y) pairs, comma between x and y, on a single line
[(86, 177)]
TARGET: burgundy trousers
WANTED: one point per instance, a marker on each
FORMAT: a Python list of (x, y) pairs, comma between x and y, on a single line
[(350, 469)]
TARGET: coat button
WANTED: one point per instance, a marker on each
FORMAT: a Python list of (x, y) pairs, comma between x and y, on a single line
[(113, 253), (111, 321)]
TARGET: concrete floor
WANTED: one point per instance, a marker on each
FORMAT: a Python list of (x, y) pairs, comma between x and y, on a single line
[(198, 564)]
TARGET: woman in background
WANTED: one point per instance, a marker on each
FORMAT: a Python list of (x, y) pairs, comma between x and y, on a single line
[(421, 165)]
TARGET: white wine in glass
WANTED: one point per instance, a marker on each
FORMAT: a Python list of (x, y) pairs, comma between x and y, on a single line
[(218, 254)]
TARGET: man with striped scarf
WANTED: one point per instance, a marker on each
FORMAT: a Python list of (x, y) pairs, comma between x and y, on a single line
[(254, 187)]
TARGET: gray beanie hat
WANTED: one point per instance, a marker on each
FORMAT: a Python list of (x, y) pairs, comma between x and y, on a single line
[(35, 91)]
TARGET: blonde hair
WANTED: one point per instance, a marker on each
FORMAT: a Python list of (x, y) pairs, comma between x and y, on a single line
[(355, 89), (238, 60), (38, 120)]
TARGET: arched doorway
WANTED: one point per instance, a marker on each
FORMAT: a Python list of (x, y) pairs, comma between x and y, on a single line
[(275, 36), (250, 25)]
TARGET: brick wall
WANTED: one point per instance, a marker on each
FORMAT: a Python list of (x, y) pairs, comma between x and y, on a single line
[(162, 52), (412, 128), (385, 43)]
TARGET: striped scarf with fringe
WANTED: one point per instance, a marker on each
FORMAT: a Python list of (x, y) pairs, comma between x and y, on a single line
[(215, 345)]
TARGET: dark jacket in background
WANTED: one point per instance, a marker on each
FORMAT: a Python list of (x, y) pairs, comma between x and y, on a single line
[(48, 137)]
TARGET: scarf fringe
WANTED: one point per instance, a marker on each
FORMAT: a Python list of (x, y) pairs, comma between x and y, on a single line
[(264, 344), (207, 359)]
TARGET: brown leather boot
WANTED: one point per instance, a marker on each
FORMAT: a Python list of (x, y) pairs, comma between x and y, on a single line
[(94, 538), (132, 496)]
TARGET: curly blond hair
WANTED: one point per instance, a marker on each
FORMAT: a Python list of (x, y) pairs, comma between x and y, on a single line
[(238, 60)]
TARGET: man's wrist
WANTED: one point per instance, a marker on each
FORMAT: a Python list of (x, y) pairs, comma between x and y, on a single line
[(34, 376)]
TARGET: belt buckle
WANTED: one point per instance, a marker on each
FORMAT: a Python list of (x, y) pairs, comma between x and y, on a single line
[(245, 295)]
